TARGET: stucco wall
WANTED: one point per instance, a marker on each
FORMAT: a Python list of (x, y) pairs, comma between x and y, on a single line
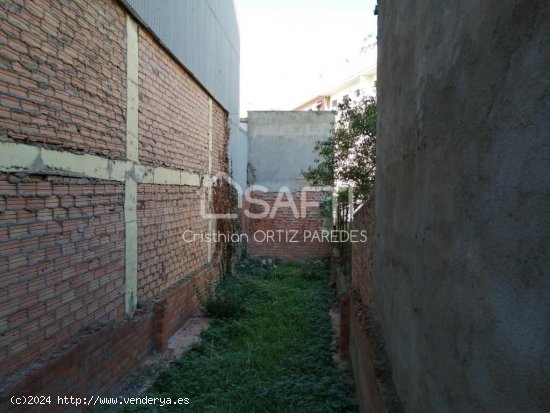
[(281, 144), (461, 260)]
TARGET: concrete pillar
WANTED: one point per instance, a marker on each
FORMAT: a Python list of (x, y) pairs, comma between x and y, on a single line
[(132, 154)]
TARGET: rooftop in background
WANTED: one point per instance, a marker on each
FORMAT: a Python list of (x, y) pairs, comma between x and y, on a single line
[(361, 82)]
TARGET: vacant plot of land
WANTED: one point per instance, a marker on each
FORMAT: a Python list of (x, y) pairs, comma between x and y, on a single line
[(267, 350)]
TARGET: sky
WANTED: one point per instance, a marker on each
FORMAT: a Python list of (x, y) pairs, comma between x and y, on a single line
[(291, 49)]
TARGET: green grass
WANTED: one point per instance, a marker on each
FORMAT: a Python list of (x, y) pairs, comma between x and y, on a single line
[(267, 349)]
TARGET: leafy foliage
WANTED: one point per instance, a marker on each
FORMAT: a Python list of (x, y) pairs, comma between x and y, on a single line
[(348, 155)]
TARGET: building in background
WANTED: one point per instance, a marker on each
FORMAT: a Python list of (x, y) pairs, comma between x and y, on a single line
[(281, 146), (360, 83)]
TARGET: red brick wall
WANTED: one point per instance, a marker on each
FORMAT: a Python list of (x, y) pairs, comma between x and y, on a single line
[(165, 212), (285, 221), (374, 387), (219, 138), (90, 367), (181, 300), (360, 336), (361, 274), (361, 350), (61, 262), (62, 239), (96, 363), (63, 74), (173, 118)]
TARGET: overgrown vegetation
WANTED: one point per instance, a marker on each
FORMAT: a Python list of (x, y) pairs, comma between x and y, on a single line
[(225, 201), (267, 350), (348, 155)]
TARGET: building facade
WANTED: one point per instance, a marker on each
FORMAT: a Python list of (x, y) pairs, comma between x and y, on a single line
[(361, 83)]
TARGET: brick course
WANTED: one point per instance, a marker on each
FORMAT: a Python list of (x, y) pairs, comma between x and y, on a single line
[(285, 221), (89, 367), (173, 118), (100, 359), (361, 338), (62, 261), (219, 138), (63, 74), (164, 213), (361, 274)]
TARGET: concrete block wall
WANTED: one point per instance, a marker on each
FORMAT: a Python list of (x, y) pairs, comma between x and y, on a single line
[(106, 145), (281, 145)]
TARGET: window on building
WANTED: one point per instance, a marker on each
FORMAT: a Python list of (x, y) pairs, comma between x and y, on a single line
[(334, 103), (346, 97), (358, 92)]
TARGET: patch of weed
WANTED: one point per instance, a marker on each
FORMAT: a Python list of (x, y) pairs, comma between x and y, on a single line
[(267, 349)]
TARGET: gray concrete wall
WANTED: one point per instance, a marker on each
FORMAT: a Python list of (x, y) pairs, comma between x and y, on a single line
[(461, 262), (281, 145)]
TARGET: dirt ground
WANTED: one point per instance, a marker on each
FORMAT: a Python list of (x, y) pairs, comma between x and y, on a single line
[(182, 340)]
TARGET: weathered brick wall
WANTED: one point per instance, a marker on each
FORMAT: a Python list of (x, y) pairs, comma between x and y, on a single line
[(357, 339), (61, 262), (361, 337), (63, 235), (361, 271), (292, 242), (91, 366), (63, 74), (219, 137), (165, 212), (180, 301), (173, 118), (62, 85)]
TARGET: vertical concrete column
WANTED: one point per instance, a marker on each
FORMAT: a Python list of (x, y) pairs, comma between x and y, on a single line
[(130, 194), (210, 189), (132, 81)]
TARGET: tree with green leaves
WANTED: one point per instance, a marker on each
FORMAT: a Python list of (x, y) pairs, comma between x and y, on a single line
[(348, 156)]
